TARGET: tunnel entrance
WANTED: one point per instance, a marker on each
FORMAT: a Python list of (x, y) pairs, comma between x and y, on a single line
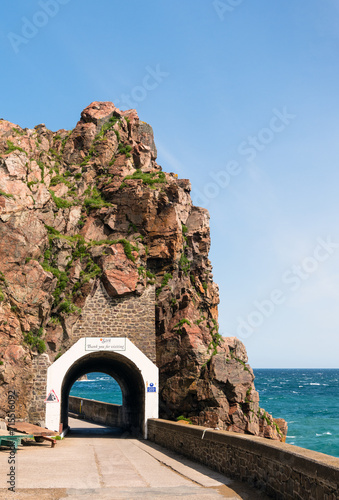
[(119, 358), (124, 372), (96, 398)]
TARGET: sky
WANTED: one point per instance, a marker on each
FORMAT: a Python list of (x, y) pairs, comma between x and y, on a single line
[(243, 99)]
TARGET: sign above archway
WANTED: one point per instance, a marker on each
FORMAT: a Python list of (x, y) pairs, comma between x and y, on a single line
[(105, 344)]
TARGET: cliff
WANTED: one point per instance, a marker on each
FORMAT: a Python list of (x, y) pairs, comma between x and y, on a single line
[(89, 205)]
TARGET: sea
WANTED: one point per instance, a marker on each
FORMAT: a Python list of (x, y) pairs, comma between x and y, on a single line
[(308, 399), (98, 386)]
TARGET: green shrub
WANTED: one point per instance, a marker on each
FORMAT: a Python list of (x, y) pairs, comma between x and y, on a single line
[(2, 193), (178, 419), (63, 142), (148, 178), (68, 307), (52, 230), (34, 340), (125, 149), (55, 154), (11, 147), (184, 263), (18, 131), (165, 280), (106, 126), (179, 325), (60, 202), (42, 168), (58, 179), (95, 200)]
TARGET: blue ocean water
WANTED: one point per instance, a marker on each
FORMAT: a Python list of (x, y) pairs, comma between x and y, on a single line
[(98, 386), (308, 399)]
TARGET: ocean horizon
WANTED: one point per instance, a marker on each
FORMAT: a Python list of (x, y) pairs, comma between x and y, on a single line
[(307, 398)]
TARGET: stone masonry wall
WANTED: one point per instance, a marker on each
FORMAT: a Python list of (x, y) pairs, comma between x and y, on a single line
[(283, 471), (38, 405), (131, 316)]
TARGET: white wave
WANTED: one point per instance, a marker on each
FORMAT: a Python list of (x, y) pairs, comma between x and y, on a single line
[(301, 386), (291, 437), (295, 392), (324, 434), (314, 383)]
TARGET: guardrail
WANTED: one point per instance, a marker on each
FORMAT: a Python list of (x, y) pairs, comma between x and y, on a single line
[(283, 471)]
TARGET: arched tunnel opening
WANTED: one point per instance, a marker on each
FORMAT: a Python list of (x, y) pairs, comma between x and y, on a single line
[(124, 371)]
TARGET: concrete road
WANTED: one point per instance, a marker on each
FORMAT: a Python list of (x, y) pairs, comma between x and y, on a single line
[(97, 462)]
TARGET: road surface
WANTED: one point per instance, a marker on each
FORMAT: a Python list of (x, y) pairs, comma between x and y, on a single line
[(98, 462)]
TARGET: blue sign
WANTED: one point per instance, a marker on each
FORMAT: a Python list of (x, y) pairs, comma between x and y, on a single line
[(151, 388)]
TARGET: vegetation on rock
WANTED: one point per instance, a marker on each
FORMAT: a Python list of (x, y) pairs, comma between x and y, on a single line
[(82, 220)]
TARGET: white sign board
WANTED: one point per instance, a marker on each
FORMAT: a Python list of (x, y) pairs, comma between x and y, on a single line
[(105, 344)]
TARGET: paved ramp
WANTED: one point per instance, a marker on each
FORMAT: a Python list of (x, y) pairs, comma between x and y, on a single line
[(99, 462)]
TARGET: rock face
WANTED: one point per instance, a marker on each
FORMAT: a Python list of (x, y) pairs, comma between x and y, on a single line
[(92, 204)]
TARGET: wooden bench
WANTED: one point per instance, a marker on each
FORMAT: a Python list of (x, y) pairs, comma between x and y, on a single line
[(39, 433)]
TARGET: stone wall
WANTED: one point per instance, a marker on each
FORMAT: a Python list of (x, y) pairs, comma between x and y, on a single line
[(131, 316), (96, 411), (283, 471), (38, 405)]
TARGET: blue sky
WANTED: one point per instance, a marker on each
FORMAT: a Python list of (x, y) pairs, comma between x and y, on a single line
[(244, 103)]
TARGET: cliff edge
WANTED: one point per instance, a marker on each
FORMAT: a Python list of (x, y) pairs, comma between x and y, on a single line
[(90, 206)]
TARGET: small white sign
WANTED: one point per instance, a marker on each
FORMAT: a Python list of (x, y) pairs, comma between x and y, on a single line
[(105, 344)]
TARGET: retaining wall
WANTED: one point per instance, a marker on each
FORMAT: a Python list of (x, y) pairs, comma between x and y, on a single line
[(285, 472), (96, 411)]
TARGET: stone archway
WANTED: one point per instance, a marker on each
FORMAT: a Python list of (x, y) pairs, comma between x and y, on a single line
[(119, 358)]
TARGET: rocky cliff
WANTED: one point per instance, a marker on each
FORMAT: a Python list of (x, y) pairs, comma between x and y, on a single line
[(92, 204)]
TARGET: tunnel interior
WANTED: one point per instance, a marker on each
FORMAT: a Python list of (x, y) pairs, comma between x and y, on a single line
[(124, 371)]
